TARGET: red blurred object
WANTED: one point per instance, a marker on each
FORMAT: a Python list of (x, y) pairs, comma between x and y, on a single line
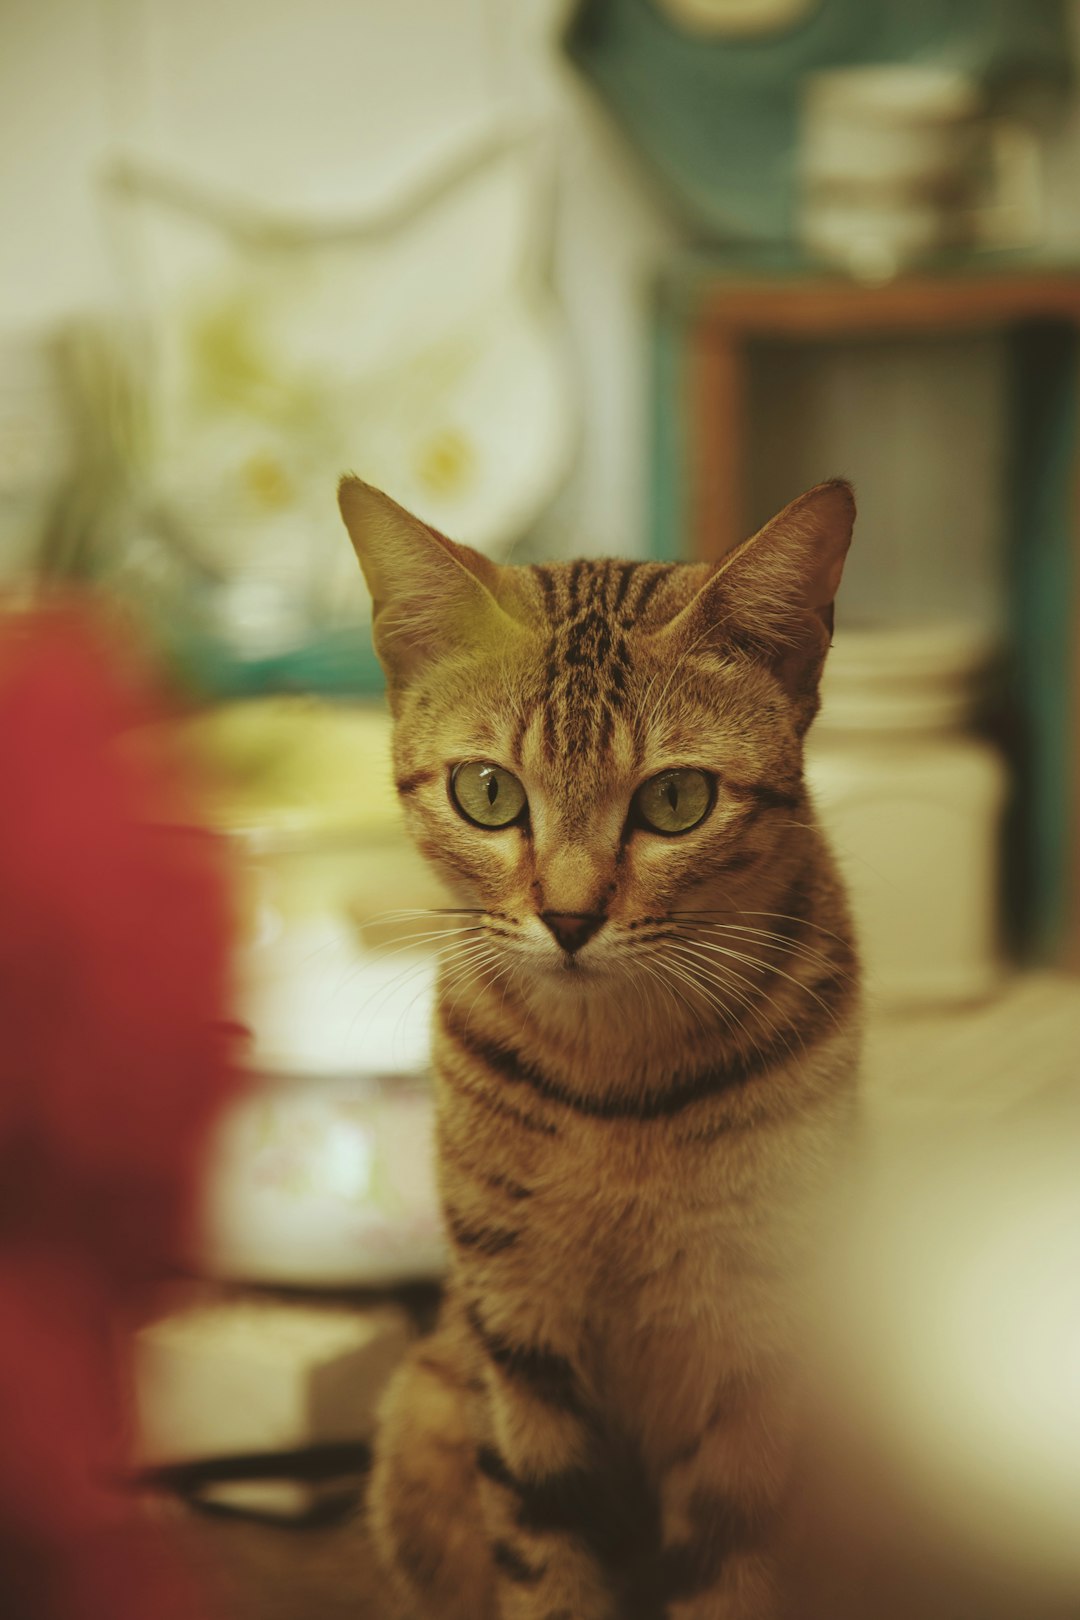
[(114, 946)]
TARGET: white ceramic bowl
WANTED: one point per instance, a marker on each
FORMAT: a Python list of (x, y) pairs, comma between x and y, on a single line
[(324, 1183)]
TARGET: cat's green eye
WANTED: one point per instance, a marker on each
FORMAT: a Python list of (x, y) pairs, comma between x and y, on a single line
[(674, 801), (486, 794)]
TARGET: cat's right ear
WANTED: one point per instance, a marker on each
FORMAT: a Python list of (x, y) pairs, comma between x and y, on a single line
[(428, 593)]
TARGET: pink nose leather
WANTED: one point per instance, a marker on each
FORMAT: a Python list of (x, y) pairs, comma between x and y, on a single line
[(571, 928)]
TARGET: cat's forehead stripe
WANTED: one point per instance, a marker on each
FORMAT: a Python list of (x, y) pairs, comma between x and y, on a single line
[(589, 608), (569, 588)]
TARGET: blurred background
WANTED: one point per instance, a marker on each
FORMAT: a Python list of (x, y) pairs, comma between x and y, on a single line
[(620, 276)]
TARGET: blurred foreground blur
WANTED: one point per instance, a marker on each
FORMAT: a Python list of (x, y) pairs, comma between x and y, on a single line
[(943, 1475), (114, 1068)]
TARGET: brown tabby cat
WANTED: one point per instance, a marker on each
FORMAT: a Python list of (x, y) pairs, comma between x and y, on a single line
[(645, 1058)]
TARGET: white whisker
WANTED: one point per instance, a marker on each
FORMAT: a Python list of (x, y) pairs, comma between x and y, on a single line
[(766, 968), (653, 969), (722, 976), (746, 911), (768, 938), (704, 985)]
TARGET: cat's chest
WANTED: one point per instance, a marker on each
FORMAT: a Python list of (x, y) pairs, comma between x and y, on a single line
[(653, 1276), (631, 1211), (610, 1196)]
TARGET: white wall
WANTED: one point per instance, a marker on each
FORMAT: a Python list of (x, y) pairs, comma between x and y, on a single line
[(54, 132), (318, 107)]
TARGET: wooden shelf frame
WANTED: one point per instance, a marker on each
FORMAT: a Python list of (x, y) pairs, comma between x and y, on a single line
[(708, 320)]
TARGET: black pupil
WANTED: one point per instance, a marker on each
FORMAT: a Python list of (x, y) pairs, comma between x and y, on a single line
[(492, 789), (672, 795)]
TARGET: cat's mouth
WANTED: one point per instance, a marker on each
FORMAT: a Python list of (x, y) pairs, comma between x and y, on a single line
[(571, 967), (567, 965)]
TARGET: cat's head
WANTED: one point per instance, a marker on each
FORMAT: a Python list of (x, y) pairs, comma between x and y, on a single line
[(586, 749)]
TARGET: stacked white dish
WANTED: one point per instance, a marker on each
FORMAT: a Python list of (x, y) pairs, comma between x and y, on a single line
[(901, 163), (913, 797)]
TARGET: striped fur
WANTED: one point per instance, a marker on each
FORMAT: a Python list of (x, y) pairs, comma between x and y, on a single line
[(633, 1140)]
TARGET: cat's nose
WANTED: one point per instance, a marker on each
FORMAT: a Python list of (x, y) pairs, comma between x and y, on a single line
[(572, 928)]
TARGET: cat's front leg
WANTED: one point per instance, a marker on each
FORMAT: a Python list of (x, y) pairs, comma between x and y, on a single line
[(537, 1486), (720, 1495)]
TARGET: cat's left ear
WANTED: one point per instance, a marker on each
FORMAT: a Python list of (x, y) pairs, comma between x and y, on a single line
[(772, 597), (428, 593)]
